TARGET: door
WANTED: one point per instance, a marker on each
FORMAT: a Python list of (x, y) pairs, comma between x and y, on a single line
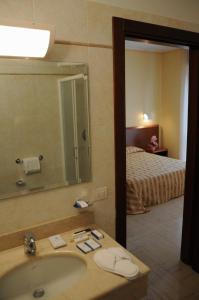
[(123, 28)]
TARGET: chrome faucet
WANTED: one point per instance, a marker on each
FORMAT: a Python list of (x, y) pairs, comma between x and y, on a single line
[(30, 243)]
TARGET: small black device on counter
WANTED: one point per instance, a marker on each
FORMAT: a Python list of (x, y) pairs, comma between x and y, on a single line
[(88, 246), (82, 231), (97, 234), (84, 248), (92, 244)]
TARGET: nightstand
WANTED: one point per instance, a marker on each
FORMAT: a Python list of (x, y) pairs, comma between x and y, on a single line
[(161, 151)]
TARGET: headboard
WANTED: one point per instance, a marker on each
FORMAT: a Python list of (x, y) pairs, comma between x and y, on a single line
[(140, 136)]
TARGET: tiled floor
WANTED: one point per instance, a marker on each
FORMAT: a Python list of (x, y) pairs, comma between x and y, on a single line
[(155, 238)]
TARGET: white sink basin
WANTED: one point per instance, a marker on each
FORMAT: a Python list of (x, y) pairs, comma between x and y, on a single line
[(42, 277)]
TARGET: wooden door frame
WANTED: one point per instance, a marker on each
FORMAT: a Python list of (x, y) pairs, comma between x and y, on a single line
[(123, 29)]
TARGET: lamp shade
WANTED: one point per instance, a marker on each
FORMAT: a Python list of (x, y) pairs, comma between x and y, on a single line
[(23, 42)]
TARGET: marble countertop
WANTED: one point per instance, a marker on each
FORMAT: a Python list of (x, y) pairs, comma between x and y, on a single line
[(94, 284)]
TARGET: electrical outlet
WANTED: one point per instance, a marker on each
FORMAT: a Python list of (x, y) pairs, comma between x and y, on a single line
[(101, 193)]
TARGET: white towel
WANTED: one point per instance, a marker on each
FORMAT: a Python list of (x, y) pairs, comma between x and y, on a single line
[(31, 165)]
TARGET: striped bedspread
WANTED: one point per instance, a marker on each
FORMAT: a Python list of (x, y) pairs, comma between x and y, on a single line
[(151, 180)]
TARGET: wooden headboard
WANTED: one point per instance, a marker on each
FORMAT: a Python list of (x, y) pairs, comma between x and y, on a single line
[(140, 136)]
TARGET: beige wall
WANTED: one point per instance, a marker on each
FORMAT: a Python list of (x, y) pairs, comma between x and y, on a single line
[(82, 21), (58, 203), (143, 86), (174, 68), (155, 84)]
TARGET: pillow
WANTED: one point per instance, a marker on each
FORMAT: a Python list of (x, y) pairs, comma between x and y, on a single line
[(133, 149)]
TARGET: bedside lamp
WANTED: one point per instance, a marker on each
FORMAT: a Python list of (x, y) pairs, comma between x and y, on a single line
[(145, 117)]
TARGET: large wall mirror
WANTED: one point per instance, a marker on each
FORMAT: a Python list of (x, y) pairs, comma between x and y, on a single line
[(44, 125)]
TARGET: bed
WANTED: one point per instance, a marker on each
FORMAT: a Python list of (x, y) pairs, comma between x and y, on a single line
[(151, 179)]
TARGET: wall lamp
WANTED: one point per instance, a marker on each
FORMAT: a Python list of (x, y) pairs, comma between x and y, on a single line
[(25, 40), (145, 117)]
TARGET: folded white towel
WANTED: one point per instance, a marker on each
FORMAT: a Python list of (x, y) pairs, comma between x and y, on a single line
[(117, 261), (31, 165)]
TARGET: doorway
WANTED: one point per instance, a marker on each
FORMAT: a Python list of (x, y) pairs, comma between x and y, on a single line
[(125, 29)]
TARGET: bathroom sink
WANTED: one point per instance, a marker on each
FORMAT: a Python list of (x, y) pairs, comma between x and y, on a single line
[(42, 277)]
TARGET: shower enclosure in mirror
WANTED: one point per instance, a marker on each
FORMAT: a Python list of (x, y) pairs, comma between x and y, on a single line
[(74, 108), (44, 125)]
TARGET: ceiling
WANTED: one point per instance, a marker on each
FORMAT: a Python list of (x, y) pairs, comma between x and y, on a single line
[(146, 46), (186, 10)]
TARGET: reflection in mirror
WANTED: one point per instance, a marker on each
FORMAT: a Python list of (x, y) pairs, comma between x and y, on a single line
[(44, 125), (74, 107)]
